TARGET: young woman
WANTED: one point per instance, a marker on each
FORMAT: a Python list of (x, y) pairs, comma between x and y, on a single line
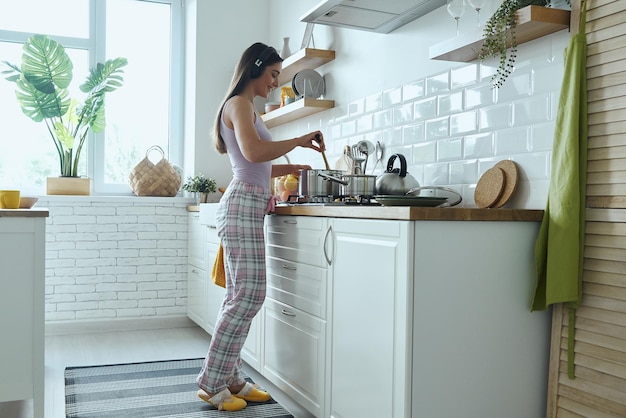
[(240, 132)]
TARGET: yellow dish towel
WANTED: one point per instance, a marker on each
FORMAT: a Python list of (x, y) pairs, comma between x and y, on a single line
[(218, 274)]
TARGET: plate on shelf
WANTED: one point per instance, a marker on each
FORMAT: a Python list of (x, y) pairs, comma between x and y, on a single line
[(308, 84), (402, 200)]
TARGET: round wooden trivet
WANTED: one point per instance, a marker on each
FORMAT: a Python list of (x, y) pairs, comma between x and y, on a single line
[(489, 187), (511, 174)]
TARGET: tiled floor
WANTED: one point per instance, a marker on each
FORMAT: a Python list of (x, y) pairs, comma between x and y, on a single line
[(121, 347)]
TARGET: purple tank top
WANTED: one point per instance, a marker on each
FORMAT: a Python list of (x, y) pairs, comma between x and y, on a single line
[(244, 170)]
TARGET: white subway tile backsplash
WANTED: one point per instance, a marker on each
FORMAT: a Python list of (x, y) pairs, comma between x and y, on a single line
[(392, 97), (356, 107), (513, 141), (463, 76), (532, 110), (478, 146), (449, 149), (383, 119), (402, 114), (365, 123), (437, 84), (424, 153), (412, 91), (424, 109), (478, 96), (495, 117), (463, 123), (464, 172), (413, 133), (450, 103), (542, 137), (437, 128), (374, 102), (436, 174)]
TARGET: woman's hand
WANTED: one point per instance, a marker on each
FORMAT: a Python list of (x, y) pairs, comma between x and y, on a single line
[(314, 140)]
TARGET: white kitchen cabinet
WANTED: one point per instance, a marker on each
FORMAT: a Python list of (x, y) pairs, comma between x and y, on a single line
[(424, 318), (197, 259), (295, 309), (369, 343), (22, 273)]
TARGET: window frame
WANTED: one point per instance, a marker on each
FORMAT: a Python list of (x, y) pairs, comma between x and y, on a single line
[(95, 44)]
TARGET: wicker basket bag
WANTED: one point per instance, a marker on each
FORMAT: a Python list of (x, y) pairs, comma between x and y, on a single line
[(160, 179)]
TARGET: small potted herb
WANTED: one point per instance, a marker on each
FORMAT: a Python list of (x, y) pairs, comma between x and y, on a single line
[(200, 186)]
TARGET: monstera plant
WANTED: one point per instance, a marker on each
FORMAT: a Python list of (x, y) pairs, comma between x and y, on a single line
[(42, 81)]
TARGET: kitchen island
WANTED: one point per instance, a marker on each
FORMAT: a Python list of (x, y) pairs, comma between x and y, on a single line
[(22, 274)]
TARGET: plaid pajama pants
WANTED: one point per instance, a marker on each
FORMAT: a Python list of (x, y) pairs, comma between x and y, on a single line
[(240, 218)]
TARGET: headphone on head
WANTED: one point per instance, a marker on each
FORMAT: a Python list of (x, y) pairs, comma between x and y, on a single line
[(257, 66)]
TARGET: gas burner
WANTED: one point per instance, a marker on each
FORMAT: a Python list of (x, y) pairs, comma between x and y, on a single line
[(358, 200), (309, 199)]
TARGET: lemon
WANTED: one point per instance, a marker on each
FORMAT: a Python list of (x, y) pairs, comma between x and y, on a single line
[(291, 183)]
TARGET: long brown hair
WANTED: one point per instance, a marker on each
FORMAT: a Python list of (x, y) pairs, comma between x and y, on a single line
[(245, 71)]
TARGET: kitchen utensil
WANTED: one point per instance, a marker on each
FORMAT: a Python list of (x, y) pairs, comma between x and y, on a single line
[(358, 159), (380, 152), (308, 84), (452, 197), (361, 185), (311, 184), (345, 162), (403, 200), (489, 188), (395, 181), (511, 180), (366, 148), (319, 139)]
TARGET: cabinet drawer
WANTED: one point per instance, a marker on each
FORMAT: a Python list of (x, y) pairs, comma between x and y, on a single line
[(297, 238), (294, 354), (197, 295), (211, 235), (299, 285), (196, 242)]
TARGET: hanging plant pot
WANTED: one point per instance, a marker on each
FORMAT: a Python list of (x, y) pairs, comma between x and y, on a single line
[(73, 186)]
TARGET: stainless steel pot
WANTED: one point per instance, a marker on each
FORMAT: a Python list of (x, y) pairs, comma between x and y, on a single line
[(312, 184), (354, 184)]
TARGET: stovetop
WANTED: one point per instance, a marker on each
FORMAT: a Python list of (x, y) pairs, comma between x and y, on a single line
[(294, 200)]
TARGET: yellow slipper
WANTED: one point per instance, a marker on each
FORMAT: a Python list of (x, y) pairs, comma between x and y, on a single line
[(223, 401), (252, 393)]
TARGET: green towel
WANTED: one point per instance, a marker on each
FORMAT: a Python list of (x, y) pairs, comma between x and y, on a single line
[(560, 244)]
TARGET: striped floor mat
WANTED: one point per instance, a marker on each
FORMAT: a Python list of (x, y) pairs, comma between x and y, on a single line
[(143, 390)]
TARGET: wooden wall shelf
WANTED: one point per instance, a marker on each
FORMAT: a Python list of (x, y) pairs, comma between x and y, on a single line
[(307, 58), (533, 22), (296, 110)]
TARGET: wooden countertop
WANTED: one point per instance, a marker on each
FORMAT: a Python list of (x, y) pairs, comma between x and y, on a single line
[(412, 213), (24, 213)]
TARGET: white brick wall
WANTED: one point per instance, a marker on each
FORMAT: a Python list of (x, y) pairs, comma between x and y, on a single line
[(115, 257)]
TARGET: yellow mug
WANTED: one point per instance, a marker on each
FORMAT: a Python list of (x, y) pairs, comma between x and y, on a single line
[(9, 199)]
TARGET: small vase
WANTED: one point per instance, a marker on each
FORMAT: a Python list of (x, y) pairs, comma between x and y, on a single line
[(285, 51)]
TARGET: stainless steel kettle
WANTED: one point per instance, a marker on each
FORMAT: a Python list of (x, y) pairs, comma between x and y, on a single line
[(395, 181)]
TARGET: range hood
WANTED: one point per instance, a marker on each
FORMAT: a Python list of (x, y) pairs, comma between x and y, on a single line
[(381, 16)]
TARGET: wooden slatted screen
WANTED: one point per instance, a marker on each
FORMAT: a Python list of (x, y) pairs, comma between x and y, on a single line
[(599, 386)]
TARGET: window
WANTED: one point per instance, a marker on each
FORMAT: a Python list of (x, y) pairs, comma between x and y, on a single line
[(145, 111)]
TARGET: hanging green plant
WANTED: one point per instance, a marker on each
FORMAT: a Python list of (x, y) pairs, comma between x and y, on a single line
[(500, 37)]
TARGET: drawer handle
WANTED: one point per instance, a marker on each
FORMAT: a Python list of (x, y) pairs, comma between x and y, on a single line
[(290, 221), (287, 313), (286, 267), (195, 271)]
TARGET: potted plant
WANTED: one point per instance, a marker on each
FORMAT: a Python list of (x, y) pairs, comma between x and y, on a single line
[(500, 40), (200, 186), (42, 82)]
